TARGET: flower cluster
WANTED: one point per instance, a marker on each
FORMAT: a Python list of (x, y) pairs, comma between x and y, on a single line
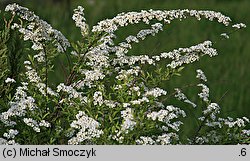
[(9, 137), (201, 75), (79, 19), (32, 123), (98, 99), (124, 19), (125, 74), (182, 97), (22, 102), (72, 93), (10, 80), (239, 25), (225, 35), (211, 119), (112, 94), (37, 30), (222, 123), (11, 134), (167, 116), (127, 125), (88, 129), (35, 125), (44, 123), (165, 139), (156, 92), (246, 132), (128, 122), (91, 76), (33, 77), (205, 92), (192, 54), (212, 110)]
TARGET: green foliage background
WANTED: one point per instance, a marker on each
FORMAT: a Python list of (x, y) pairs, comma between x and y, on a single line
[(228, 73)]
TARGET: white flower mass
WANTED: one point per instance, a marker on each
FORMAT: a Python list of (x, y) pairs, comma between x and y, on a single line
[(10, 80), (87, 129), (79, 19), (109, 95)]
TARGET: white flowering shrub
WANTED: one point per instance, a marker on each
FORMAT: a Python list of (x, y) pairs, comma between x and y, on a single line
[(107, 96)]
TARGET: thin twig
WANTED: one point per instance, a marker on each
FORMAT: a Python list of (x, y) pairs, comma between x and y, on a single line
[(223, 96)]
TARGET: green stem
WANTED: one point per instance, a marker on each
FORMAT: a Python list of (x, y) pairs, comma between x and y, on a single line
[(46, 76)]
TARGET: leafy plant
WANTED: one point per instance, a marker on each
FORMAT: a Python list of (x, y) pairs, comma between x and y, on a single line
[(107, 96)]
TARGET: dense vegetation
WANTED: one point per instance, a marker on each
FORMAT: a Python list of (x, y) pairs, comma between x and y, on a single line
[(227, 74)]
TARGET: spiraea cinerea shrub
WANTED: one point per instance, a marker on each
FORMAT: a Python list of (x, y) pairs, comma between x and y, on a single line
[(108, 96)]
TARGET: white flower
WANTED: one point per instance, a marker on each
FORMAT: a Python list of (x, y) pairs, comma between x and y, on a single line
[(239, 25), (182, 97), (130, 39), (139, 101), (102, 61), (155, 92), (98, 57), (44, 123), (240, 122), (204, 95), (72, 93), (79, 19), (191, 54), (128, 123), (124, 74), (225, 35), (128, 120), (155, 29), (145, 141), (87, 126), (37, 30), (246, 132), (91, 76), (3, 141), (11, 134), (110, 103), (131, 60), (117, 87), (125, 105), (166, 139), (124, 19), (19, 106), (212, 110), (27, 62), (40, 57), (10, 80), (212, 107), (33, 77), (167, 116), (118, 136), (32, 123), (200, 75), (98, 99), (7, 142)]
